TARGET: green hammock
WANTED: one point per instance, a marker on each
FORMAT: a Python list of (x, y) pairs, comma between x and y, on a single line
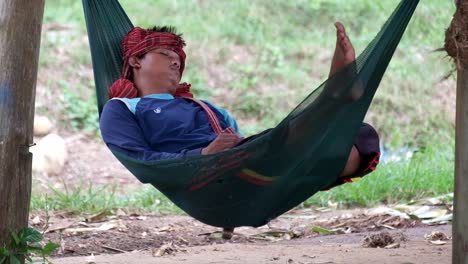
[(255, 182)]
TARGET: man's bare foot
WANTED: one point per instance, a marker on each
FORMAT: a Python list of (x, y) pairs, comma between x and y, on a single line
[(344, 50)]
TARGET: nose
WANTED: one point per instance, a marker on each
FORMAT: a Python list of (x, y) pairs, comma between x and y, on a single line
[(175, 64)]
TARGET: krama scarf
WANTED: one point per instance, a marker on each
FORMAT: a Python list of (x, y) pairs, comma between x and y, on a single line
[(139, 42)]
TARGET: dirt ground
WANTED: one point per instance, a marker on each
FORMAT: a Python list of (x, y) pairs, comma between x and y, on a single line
[(300, 236), (180, 239), (310, 251)]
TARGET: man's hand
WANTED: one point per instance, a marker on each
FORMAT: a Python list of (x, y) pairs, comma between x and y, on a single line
[(221, 143)]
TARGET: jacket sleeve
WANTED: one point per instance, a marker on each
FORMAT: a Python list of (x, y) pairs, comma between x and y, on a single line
[(121, 133)]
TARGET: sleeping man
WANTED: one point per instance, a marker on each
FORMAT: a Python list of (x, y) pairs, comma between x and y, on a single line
[(151, 116)]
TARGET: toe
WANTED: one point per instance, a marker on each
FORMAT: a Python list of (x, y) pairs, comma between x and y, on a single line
[(339, 25)]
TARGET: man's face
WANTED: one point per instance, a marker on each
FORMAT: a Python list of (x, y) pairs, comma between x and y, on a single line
[(161, 66)]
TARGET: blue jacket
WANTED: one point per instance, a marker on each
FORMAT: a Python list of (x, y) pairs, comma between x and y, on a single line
[(159, 126)]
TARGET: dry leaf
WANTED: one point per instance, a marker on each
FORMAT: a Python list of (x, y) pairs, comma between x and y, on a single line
[(114, 224), (61, 225), (347, 216), (164, 249), (405, 208), (164, 229), (438, 242), (442, 199), (394, 245), (323, 209), (275, 235), (388, 211), (431, 214), (111, 225), (332, 205), (439, 220), (120, 212), (436, 235), (347, 230), (99, 217), (80, 230), (389, 227), (216, 235), (293, 216)]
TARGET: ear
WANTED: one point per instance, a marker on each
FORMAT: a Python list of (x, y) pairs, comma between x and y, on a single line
[(134, 62)]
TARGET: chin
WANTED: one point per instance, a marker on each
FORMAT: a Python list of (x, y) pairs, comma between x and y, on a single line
[(173, 91), (175, 85)]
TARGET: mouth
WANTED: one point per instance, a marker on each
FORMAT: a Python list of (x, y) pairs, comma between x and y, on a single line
[(176, 74), (174, 77)]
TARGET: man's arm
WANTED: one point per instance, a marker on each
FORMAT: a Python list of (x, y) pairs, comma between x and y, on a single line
[(121, 132)]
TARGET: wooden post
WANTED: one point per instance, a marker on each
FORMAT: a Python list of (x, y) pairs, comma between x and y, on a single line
[(460, 221), (20, 33), (456, 45)]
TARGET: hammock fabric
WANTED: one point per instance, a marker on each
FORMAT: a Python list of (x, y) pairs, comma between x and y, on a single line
[(257, 181)]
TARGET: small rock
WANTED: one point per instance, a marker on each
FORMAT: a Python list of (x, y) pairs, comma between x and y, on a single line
[(42, 126), (90, 259), (36, 220), (49, 155)]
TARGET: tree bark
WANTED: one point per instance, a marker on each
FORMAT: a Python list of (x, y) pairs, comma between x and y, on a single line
[(456, 45), (20, 33)]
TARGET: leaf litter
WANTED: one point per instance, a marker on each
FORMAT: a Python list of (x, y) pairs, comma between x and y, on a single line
[(163, 235)]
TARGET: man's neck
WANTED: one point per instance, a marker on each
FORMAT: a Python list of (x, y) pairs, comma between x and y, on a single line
[(153, 90)]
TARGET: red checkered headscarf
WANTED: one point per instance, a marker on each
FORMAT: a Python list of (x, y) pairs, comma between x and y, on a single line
[(138, 42)]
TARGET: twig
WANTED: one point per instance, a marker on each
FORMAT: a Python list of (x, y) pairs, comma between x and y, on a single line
[(114, 249)]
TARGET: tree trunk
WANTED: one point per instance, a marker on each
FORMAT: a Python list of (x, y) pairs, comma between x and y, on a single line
[(460, 222), (20, 33), (456, 45)]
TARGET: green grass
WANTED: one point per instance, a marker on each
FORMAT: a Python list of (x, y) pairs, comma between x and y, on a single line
[(428, 173), (93, 199)]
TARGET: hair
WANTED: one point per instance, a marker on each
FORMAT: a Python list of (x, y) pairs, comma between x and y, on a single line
[(168, 29)]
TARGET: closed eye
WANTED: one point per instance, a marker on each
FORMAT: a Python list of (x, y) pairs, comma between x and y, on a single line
[(168, 55), (164, 53)]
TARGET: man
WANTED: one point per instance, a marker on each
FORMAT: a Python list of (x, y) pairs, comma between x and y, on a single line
[(151, 115)]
